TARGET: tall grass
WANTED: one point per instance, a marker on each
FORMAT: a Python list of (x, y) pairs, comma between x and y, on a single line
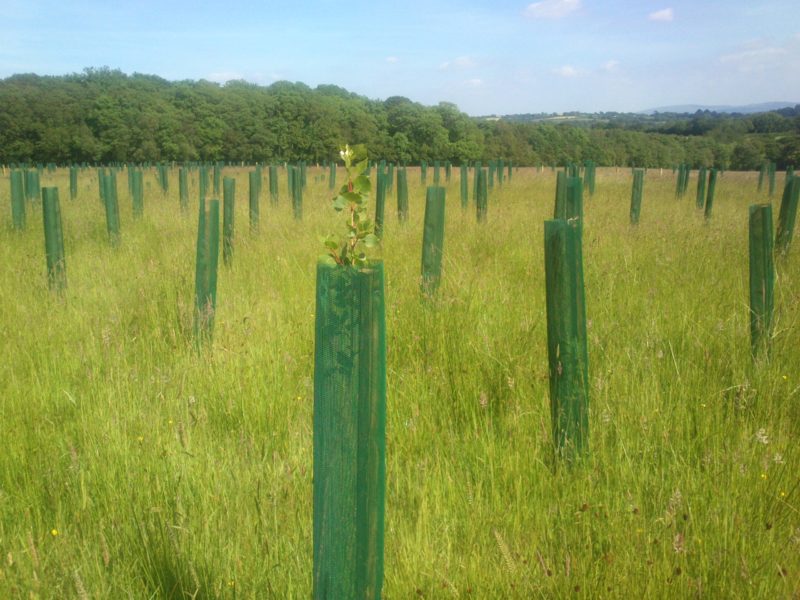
[(133, 465)]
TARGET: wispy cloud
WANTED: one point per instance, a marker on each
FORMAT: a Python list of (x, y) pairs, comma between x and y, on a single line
[(474, 82), (567, 71), (665, 14), (392, 59), (610, 65), (754, 59), (462, 62), (551, 9)]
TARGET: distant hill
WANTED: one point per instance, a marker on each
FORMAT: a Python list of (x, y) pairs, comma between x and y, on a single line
[(745, 109)]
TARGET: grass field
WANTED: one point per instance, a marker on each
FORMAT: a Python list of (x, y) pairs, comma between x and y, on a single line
[(133, 466)]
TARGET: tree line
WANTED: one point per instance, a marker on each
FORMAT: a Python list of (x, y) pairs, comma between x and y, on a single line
[(103, 115)]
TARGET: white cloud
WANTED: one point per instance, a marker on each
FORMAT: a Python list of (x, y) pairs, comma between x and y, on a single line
[(474, 82), (567, 71), (551, 9), (462, 62), (755, 59), (611, 65), (392, 59), (665, 14)]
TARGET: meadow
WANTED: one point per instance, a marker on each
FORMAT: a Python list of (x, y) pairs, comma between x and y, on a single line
[(135, 466)]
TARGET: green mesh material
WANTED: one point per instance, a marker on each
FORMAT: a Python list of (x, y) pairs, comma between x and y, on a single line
[(54, 240), (73, 182), (762, 277), (700, 199), (112, 206), (253, 196), (712, 186), (636, 195), (771, 174), (349, 431), (402, 195), (205, 289), (298, 183), (228, 211), (482, 196), (560, 210), (17, 200), (575, 199), (433, 240), (183, 188), (566, 337), (137, 193), (380, 202), (788, 213)]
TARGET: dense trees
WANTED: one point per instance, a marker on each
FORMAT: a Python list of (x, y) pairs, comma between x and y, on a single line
[(103, 115)]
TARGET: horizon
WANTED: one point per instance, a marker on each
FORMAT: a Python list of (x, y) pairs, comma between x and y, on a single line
[(552, 56)]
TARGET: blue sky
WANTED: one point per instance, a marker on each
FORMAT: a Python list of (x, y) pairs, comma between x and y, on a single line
[(487, 57)]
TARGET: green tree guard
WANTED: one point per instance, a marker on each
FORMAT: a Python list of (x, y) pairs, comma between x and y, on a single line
[(380, 203), (101, 184), (433, 240), (273, 184), (482, 199), (490, 173), (297, 192), (349, 479), (138, 194), (464, 181), (762, 278), (17, 200), (787, 215), (254, 208), (54, 240), (423, 172), (566, 338), (183, 188), (771, 175), (575, 199), (402, 195), (33, 188), (205, 288), (510, 164), (112, 207), (500, 166), (303, 175), (436, 167), (700, 199), (73, 182), (589, 176), (560, 210), (228, 203), (331, 176), (448, 168), (203, 182), (636, 195), (390, 178), (475, 171), (216, 177), (712, 185), (163, 178), (761, 173)]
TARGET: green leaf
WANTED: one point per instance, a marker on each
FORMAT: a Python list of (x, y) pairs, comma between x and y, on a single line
[(365, 225), (332, 244), (358, 168), (371, 240), (340, 202), (362, 185), (353, 197)]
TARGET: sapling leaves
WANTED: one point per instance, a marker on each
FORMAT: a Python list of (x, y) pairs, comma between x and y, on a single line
[(352, 200)]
